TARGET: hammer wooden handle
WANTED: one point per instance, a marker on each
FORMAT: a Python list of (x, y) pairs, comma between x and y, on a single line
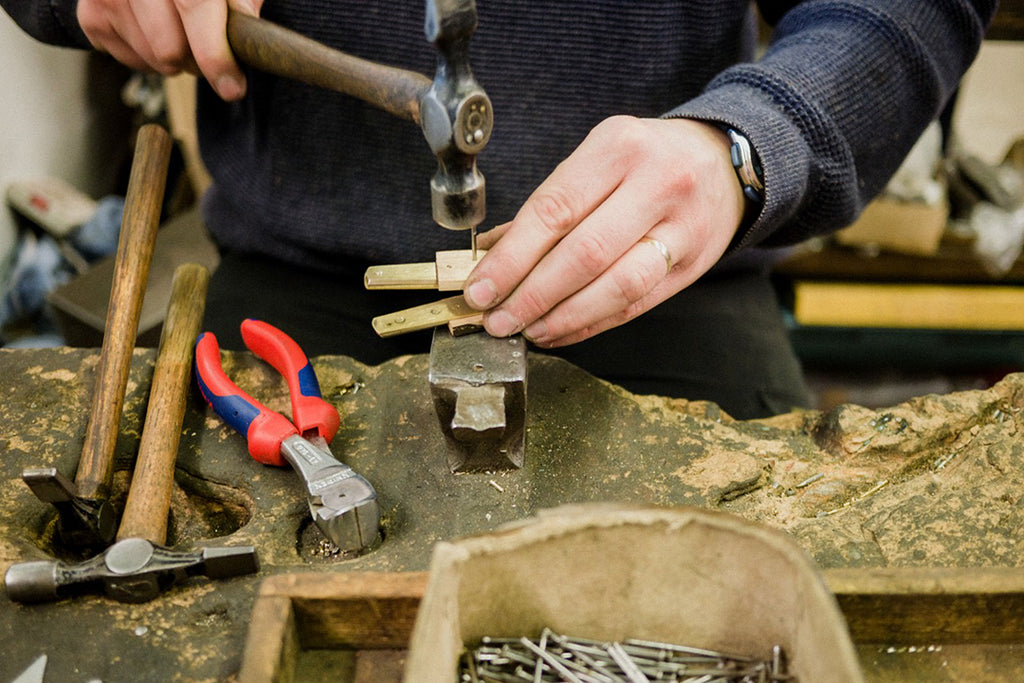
[(139, 224), (149, 498), (277, 50)]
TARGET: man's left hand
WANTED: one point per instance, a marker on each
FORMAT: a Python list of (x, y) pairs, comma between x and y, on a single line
[(639, 211)]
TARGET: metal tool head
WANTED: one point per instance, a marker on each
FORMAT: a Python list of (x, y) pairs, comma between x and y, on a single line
[(348, 513), (84, 523), (34, 673), (478, 383), (133, 570), (456, 117), (343, 503)]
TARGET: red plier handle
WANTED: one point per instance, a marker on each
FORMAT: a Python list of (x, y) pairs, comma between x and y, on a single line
[(265, 429)]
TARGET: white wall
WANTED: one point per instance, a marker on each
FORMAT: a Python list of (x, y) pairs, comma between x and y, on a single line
[(45, 122), (989, 113)]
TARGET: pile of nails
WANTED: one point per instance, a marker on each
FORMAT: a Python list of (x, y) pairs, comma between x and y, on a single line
[(556, 657)]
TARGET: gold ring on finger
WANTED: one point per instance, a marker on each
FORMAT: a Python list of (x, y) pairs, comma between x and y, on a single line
[(662, 249)]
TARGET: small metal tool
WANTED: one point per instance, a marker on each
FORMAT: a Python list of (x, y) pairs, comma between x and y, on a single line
[(34, 673), (478, 383), (342, 503)]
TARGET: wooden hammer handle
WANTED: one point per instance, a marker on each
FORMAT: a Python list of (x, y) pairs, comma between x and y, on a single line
[(282, 52), (149, 498), (139, 224)]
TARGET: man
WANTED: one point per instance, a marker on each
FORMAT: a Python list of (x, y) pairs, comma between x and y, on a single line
[(628, 243)]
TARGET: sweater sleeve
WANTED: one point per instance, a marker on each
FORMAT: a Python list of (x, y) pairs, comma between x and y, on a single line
[(49, 21), (840, 96)]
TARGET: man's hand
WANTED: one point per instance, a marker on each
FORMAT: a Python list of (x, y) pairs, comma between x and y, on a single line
[(639, 211), (168, 37)]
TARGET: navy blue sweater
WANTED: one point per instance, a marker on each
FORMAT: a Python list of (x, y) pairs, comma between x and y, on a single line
[(318, 178)]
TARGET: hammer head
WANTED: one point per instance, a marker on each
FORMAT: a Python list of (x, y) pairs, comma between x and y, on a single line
[(456, 117), (84, 523), (132, 570)]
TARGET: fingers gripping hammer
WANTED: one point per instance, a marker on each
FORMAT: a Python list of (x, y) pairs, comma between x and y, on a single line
[(453, 110)]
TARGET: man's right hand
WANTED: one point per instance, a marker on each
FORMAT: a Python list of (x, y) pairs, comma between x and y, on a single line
[(169, 36)]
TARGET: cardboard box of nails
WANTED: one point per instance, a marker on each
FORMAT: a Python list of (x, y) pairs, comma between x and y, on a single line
[(623, 587)]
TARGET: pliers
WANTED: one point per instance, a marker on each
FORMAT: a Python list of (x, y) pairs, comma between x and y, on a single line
[(343, 503)]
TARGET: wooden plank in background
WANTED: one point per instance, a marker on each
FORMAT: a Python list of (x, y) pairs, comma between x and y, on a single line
[(1009, 21), (908, 306)]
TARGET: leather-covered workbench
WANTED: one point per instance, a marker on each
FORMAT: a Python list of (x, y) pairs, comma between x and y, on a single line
[(934, 482)]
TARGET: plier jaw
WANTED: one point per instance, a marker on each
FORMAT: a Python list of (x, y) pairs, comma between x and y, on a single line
[(351, 527), (342, 502)]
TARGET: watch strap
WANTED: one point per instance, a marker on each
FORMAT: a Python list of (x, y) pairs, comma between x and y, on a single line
[(748, 171), (747, 165)]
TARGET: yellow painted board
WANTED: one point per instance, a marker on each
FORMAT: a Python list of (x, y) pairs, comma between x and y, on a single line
[(915, 306)]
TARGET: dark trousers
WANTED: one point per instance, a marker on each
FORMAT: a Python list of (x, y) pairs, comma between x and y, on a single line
[(722, 339)]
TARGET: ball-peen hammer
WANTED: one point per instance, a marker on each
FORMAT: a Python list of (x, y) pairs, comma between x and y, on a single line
[(453, 110)]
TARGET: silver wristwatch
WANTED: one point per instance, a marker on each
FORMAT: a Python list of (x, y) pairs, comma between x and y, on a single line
[(747, 165)]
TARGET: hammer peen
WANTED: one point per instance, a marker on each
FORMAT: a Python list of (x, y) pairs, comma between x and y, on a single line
[(137, 567)]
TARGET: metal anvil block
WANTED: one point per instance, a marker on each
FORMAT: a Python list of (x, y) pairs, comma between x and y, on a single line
[(478, 384)]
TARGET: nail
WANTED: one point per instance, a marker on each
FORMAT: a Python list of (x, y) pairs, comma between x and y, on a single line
[(551, 660), (538, 669), (481, 294)]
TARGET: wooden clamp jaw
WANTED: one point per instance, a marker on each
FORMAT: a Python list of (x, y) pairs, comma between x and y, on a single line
[(446, 273), (478, 382)]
